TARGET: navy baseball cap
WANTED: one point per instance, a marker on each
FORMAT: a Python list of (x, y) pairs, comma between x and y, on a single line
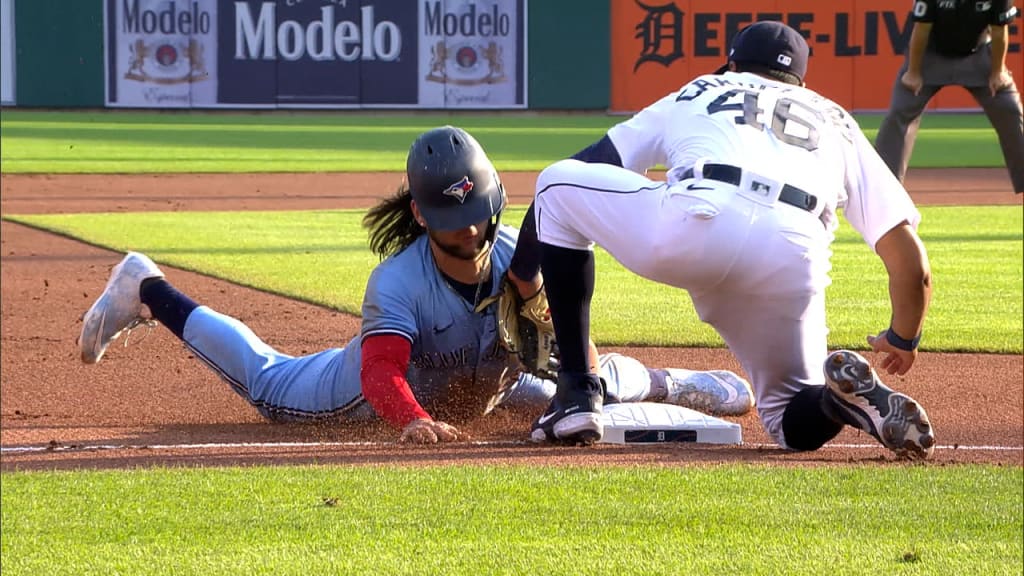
[(770, 43)]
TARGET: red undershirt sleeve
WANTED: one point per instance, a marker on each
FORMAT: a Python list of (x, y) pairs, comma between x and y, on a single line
[(385, 361)]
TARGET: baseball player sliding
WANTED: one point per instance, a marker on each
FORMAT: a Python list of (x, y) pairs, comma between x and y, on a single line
[(758, 166), (428, 353)]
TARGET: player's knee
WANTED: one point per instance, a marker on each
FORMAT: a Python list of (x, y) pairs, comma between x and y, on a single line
[(805, 424), (556, 173)]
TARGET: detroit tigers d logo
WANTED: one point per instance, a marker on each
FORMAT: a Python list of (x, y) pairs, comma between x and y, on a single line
[(459, 189)]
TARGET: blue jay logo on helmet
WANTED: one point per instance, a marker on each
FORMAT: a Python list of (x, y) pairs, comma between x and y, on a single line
[(459, 189)]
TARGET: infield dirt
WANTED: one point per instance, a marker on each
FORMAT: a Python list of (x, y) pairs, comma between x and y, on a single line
[(141, 399)]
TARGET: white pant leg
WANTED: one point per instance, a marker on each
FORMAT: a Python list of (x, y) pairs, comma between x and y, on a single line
[(663, 233), (779, 342), (770, 309), (757, 273), (280, 386), (627, 378), (529, 393)]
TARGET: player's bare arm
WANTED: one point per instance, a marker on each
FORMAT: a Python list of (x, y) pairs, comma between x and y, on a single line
[(912, 78), (910, 290), (999, 76)]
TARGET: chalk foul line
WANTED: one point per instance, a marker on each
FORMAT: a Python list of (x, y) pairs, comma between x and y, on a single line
[(56, 447)]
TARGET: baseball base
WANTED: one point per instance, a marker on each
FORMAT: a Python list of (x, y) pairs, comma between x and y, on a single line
[(650, 422)]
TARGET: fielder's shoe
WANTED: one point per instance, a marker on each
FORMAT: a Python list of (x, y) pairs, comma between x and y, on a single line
[(895, 419), (118, 307), (574, 415), (715, 392)]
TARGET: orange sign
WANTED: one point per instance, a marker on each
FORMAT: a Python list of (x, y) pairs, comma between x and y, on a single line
[(857, 47)]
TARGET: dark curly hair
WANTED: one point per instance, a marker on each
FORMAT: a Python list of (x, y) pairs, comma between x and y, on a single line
[(391, 224)]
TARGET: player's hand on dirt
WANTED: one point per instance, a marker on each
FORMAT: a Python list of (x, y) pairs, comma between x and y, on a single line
[(425, 431), (895, 360), (912, 81), (999, 80)]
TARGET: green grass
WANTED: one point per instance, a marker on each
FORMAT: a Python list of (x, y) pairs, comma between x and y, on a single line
[(322, 257), (140, 142), (516, 520)]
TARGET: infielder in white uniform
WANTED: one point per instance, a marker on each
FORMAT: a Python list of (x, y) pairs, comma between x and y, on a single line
[(427, 356), (758, 166)]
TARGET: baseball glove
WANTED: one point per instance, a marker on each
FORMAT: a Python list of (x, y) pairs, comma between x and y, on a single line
[(525, 329)]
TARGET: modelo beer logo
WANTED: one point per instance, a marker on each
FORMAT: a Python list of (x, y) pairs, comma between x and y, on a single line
[(467, 45), (166, 44), (169, 20), (261, 36), (468, 21)]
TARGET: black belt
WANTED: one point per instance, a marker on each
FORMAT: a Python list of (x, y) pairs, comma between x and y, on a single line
[(732, 175)]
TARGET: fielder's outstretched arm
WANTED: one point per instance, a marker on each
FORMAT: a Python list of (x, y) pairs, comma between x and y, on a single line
[(910, 289)]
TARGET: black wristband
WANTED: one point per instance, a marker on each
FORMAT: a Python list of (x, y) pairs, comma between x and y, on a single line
[(901, 343)]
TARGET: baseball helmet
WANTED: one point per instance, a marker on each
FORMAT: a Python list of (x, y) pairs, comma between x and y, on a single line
[(452, 181)]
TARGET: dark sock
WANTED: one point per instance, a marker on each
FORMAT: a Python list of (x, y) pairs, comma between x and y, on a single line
[(167, 304), (659, 386), (805, 423), (569, 283)]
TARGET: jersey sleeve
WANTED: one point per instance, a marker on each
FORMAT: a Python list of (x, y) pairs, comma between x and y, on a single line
[(640, 140), (924, 11), (382, 377), (388, 305), (1003, 12), (876, 201)]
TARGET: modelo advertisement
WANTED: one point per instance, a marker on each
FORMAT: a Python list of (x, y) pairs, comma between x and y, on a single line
[(857, 47), (315, 53)]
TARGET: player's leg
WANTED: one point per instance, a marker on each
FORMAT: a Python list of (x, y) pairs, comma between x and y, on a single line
[(281, 387), (783, 352), (671, 238), (898, 131), (1005, 113), (715, 392), (568, 220), (780, 342)]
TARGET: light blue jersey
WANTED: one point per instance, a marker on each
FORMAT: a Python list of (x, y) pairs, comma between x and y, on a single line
[(456, 361), (457, 367)]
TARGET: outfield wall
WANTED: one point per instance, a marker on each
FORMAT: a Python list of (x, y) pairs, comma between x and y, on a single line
[(857, 46), (434, 54)]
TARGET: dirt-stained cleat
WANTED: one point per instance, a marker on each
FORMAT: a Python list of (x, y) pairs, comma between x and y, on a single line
[(118, 308), (863, 401), (714, 392)]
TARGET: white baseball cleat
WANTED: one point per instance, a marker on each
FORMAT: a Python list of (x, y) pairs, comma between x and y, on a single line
[(894, 419), (714, 392), (118, 307)]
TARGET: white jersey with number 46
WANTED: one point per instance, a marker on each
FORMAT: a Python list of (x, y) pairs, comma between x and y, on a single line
[(781, 131), (755, 266)]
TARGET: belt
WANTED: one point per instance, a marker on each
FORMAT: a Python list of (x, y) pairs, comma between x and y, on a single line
[(732, 174)]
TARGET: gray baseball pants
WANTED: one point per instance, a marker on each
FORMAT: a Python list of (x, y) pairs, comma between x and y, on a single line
[(896, 135)]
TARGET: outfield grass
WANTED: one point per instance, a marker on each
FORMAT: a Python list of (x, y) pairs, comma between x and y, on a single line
[(735, 519), (322, 257), (139, 142)]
